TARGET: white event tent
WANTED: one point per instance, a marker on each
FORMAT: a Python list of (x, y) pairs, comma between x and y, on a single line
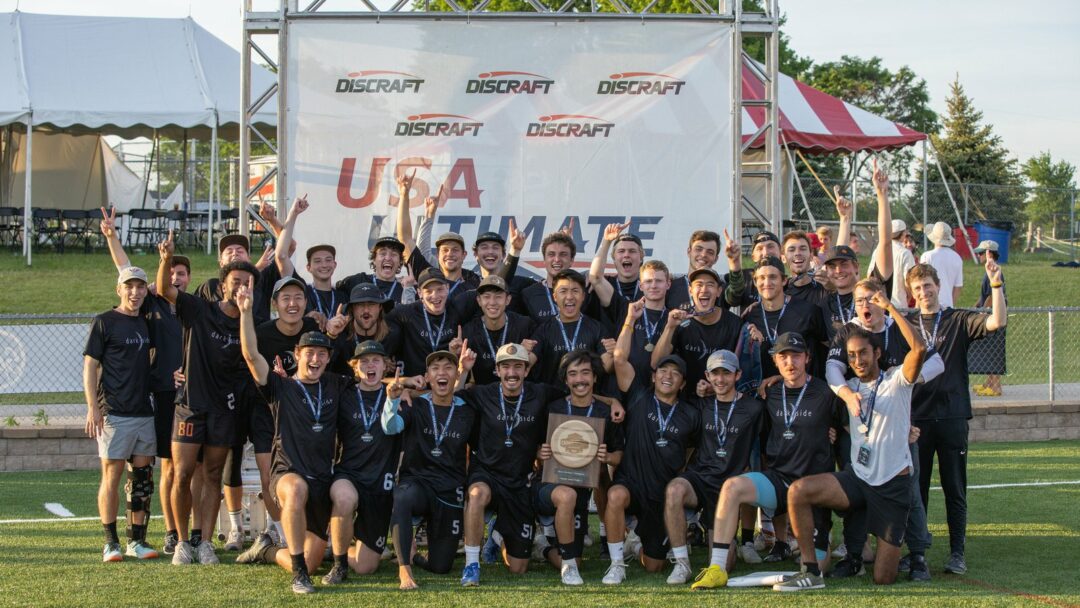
[(120, 76)]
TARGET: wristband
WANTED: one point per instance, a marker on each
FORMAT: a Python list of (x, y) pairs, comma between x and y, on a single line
[(996, 285)]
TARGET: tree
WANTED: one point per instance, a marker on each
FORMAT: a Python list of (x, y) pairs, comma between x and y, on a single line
[(1053, 184)]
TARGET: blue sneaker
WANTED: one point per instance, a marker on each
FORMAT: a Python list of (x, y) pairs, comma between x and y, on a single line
[(489, 554), (470, 576)]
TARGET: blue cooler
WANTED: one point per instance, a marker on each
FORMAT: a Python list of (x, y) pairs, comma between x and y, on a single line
[(1000, 233)]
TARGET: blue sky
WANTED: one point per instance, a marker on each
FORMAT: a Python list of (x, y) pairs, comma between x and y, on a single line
[(1019, 61)]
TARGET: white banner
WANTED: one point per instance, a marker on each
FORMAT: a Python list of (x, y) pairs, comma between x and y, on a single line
[(540, 122)]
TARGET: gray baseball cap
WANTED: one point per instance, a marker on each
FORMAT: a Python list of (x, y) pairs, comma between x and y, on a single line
[(723, 358)]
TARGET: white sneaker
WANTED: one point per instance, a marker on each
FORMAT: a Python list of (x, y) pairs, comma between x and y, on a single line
[(632, 545), (206, 553), (540, 544), (235, 540), (570, 574), (681, 574), (183, 554), (616, 574), (748, 554), (840, 552)]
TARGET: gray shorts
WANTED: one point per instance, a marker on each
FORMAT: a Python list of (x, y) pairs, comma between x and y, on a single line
[(123, 437)]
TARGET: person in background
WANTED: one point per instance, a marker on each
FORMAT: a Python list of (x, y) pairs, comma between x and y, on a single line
[(948, 264), (989, 355)]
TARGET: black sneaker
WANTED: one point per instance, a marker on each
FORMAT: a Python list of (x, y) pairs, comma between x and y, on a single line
[(956, 564), (919, 571), (301, 583), (169, 546), (253, 555), (780, 552), (847, 568), (904, 565), (337, 574)]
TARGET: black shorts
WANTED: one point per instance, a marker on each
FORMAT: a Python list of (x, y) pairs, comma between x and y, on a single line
[(650, 521), (515, 509), (545, 507), (164, 411), (373, 509), (216, 429), (261, 426), (707, 490), (317, 508), (886, 505)]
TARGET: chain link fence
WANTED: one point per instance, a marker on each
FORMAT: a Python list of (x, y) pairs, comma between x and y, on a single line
[(975, 203), (1036, 358)]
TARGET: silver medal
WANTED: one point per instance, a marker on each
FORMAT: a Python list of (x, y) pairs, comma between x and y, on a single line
[(366, 438), (789, 434), (317, 428), (661, 442), (436, 452), (864, 429)]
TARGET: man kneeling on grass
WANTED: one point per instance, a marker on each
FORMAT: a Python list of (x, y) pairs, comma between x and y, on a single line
[(878, 479), (302, 461)]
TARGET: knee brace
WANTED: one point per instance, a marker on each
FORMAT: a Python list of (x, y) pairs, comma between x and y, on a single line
[(139, 488)]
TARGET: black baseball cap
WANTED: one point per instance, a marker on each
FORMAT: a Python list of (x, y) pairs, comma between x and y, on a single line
[(626, 236), (323, 247), (233, 239), (700, 271), (369, 347), (366, 292), (315, 338), (789, 341), (493, 237), (675, 360), (429, 275), (492, 282), (763, 236), (284, 282), (841, 252), (389, 241), (772, 260)]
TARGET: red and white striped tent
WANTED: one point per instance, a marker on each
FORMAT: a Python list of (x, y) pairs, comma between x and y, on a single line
[(817, 122)]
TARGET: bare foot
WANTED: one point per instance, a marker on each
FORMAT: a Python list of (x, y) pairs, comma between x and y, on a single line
[(408, 585)]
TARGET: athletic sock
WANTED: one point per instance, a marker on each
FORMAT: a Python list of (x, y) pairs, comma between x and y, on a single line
[(236, 520), (472, 555), (195, 537), (341, 560), (615, 550), (719, 555), (298, 563), (813, 568), (110, 533), (681, 552), (173, 534), (747, 535), (549, 531)]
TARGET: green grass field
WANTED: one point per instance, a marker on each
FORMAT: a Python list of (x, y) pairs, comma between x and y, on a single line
[(1016, 535)]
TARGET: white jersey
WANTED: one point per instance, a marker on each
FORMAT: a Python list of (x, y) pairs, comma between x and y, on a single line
[(888, 427)]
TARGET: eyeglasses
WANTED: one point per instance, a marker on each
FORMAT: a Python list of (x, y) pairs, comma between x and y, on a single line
[(863, 301)]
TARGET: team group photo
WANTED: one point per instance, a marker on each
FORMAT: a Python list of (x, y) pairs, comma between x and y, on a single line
[(608, 303)]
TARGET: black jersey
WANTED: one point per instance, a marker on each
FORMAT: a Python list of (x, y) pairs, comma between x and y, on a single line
[(728, 431), (614, 439), (891, 342), (273, 343), (798, 443), (538, 303), (366, 454), (796, 315), (946, 396), (694, 341), (391, 290), (653, 457), (306, 426), (526, 418), (264, 288), (486, 343), (647, 330), (556, 338), (122, 344), (435, 452), (422, 333), (325, 302), (213, 364), (168, 342), (812, 291)]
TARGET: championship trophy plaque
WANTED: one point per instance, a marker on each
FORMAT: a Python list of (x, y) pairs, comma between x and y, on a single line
[(574, 441)]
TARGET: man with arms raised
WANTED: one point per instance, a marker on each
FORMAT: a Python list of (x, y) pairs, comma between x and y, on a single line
[(579, 370), (877, 478), (702, 253), (206, 410), (802, 415), (305, 407), (942, 406), (450, 247), (386, 261), (730, 423), (435, 431), (616, 292), (119, 413), (660, 429)]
